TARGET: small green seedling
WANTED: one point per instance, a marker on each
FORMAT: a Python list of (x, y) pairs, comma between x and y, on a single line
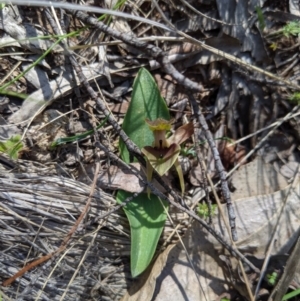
[(272, 278), (203, 210), (291, 29), (188, 151), (295, 98), (12, 146)]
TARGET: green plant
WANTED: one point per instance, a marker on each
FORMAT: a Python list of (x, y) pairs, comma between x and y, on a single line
[(295, 98), (188, 151), (78, 137), (272, 278), (203, 210), (291, 295), (291, 28), (146, 123), (261, 19), (12, 146), (146, 216)]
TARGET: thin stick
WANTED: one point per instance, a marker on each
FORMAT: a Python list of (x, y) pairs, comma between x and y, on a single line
[(219, 166)]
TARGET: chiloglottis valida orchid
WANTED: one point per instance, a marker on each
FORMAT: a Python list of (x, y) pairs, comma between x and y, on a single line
[(164, 153)]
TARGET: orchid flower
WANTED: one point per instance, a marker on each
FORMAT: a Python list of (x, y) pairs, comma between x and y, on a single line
[(163, 154)]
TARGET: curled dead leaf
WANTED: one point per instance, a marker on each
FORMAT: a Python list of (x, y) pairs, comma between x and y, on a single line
[(231, 154), (182, 134)]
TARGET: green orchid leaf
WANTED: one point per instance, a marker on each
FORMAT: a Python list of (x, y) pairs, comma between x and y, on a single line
[(145, 214), (146, 103), (147, 219)]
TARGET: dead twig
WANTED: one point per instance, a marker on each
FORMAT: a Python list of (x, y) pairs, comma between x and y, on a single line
[(219, 166), (151, 50)]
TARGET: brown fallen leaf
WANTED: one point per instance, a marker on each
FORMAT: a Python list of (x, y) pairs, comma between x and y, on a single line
[(182, 134), (184, 48), (166, 87), (230, 154), (144, 288), (256, 178), (179, 282)]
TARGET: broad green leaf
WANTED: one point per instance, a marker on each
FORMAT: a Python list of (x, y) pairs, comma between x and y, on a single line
[(146, 216), (147, 219), (146, 103)]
